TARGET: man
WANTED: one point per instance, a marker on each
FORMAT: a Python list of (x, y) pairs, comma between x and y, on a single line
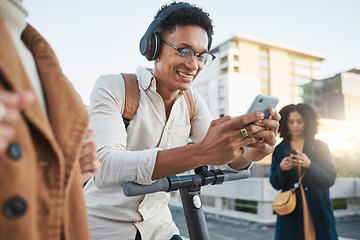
[(46, 152), (155, 143)]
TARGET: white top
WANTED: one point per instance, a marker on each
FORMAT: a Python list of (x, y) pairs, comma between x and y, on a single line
[(14, 15), (130, 155)]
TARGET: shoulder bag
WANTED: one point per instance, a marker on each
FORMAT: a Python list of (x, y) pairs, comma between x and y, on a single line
[(285, 202)]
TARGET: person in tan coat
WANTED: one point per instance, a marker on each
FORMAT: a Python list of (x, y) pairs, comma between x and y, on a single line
[(46, 151)]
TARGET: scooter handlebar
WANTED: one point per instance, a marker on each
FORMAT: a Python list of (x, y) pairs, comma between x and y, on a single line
[(133, 189), (164, 184)]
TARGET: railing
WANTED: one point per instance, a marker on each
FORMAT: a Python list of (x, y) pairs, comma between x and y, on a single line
[(260, 191)]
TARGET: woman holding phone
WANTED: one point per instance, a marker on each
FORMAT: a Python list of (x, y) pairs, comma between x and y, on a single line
[(299, 154)]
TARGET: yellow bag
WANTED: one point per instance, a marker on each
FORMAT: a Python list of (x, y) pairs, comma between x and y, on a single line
[(285, 202)]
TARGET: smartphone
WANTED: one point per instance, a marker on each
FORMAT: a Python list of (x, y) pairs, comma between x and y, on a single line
[(290, 151), (262, 103)]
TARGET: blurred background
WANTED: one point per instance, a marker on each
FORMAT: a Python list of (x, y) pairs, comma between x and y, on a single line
[(299, 51)]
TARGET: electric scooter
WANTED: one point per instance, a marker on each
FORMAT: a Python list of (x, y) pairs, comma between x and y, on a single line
[(190, 189)]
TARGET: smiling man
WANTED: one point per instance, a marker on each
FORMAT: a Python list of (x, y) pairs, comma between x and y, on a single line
[(154, 145)]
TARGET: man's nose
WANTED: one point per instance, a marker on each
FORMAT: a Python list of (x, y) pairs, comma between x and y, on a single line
[(194, 64)]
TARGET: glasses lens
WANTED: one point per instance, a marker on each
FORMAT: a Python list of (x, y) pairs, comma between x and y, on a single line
[(186, 55), (206, 59)]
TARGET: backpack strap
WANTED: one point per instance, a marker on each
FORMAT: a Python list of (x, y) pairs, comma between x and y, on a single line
[(131, 97), (190, 103)]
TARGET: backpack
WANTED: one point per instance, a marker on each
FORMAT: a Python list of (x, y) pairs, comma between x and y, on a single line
[(132, 98)]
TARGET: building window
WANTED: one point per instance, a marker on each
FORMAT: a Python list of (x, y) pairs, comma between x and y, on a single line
[(302, 62), (303, 71), (264, 70), (236, 57), (264, 53), (234, 43), (236, 69), (223, 60), (264, 63), (223, 70)]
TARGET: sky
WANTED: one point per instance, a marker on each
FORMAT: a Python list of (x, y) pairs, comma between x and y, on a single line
[(92, 38)]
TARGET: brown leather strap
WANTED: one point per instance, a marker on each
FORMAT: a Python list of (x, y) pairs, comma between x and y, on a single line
[(190, 103), (131, 95), (309, 230)]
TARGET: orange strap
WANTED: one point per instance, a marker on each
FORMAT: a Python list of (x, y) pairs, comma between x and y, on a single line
[(190, 103), (309, 231), (131, 95)]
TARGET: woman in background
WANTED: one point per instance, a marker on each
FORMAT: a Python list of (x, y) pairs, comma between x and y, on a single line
[(313, 216)]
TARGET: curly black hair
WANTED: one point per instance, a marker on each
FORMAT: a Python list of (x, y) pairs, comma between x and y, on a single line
[(185, 17), (307, 112)]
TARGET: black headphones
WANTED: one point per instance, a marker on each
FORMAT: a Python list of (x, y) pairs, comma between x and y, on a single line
[(150, 43)]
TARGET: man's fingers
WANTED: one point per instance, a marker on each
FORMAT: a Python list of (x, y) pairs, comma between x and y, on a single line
[(275, 115), (88, 149), (251, 129), (270, 124), (90, 166), (220, 121), (245, 119), (267, 136), (89, 135)]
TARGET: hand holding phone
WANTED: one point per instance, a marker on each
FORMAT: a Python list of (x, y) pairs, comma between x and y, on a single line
[(290, 151), (262, 103)]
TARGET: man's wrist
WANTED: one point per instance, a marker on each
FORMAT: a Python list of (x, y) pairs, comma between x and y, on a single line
[(241, 163)]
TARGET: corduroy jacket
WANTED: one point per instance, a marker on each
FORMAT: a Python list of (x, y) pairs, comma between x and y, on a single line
[(40, 179)]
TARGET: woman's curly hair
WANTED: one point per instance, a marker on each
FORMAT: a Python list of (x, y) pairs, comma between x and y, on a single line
[(307, 112)]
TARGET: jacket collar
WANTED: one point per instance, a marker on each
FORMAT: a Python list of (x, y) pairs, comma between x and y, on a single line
[(67, 118), (15, 79), (67, 115)]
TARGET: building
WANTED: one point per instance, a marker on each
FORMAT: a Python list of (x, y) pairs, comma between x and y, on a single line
[(337, 98), (246, 66)]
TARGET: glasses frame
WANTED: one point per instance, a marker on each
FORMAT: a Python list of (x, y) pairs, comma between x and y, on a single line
[(195, 54)]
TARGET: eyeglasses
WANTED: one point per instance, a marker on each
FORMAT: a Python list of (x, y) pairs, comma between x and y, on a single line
[(187, 54)]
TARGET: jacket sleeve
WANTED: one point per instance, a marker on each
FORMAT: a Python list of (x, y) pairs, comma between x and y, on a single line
[(277, 177), (322, 171)]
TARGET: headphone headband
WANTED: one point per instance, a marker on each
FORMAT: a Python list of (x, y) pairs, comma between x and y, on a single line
[(150, 42)]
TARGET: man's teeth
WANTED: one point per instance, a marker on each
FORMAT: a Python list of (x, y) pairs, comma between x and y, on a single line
[(184, 75)]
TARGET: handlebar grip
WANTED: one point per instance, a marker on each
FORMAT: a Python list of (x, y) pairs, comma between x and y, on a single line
[(133, 189), (232, 176)]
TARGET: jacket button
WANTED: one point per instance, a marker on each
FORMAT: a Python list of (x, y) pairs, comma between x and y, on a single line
[(15, 208), (14, 151)]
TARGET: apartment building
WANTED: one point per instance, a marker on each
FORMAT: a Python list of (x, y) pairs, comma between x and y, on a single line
[(246, 66), (337, 98)]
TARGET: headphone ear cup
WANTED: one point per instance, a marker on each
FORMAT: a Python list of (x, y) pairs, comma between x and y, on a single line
[(155, 46)]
